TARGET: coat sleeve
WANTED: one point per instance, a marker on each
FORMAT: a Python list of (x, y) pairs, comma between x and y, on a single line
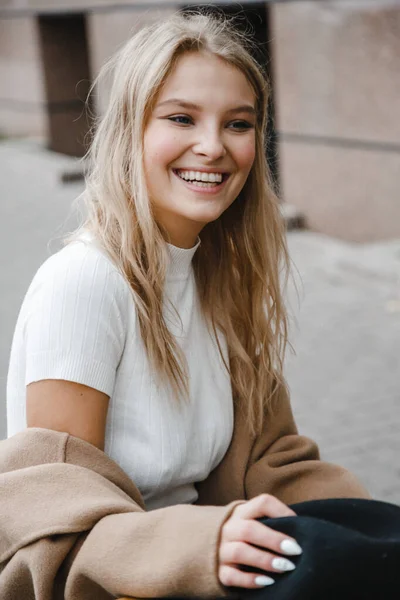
[(287, 465), (171, 551), (70, 514)]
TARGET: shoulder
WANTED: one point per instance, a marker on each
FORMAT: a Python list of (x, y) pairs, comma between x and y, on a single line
[(75, 318), (78, 289), (81, 272), (81, 262)]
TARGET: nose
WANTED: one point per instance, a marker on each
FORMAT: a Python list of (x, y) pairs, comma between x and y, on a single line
[(210, 143)]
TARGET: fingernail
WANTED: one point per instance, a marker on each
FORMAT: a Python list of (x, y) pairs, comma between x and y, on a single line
[(263, 580), (291, 548), (282, 564)]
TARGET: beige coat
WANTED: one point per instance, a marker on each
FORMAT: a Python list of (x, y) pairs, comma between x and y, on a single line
[(73, 525)]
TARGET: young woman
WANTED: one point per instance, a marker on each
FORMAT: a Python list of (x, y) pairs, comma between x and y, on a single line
[(160, 328)]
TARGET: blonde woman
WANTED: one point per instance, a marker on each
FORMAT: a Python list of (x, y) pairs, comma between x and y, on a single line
[(158, 332)]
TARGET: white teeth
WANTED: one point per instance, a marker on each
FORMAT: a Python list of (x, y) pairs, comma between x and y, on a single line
[(201, 176), (204, 184)]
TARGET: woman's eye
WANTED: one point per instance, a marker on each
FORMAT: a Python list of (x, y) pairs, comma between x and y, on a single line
[(242, 125), (181, 120), (238, 125)]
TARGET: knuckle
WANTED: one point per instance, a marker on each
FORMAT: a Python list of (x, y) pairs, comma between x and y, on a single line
[(245, 529), (236, 552), (225, 529), (266, 496), (228, 528), (268, 500), (238, 510)]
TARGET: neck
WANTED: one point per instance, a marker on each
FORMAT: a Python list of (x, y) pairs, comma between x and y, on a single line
[(183, 240), (180, 233)]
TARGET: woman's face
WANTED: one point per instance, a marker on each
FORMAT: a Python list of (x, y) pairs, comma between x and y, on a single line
[(199, 144)]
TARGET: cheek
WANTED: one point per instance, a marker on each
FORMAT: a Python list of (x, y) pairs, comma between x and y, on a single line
[(159, 149), (245, 155)]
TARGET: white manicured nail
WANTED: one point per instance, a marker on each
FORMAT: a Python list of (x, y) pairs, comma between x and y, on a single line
[(291, 548), (282, 564), (263, 580)]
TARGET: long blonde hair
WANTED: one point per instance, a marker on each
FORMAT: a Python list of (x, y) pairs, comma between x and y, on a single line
[(242, 256)]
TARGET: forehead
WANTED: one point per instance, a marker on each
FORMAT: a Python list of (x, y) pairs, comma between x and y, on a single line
[(204, 78)]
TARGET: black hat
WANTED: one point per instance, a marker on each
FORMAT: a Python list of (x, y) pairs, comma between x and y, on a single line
[(351, 551)]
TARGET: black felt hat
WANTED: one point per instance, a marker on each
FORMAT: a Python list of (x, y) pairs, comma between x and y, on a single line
[(351, 551)]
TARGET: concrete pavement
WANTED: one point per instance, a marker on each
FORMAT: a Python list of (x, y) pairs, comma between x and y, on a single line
[(344, 379)]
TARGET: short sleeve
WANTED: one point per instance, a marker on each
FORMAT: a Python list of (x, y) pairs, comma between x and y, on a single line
[(76, 319)]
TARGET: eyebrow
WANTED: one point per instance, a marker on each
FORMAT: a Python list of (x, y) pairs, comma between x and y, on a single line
[(190, 105)]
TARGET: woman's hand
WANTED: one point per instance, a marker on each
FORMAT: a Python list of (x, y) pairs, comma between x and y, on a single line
[(241, 533)]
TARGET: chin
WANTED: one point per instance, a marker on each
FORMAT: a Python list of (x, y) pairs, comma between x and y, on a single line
[(204, 220), (206, 214)]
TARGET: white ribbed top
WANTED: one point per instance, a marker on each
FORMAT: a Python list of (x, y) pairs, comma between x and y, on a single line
[(78, 322)]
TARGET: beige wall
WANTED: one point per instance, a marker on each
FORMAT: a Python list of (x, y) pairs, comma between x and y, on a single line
[(86, 4), (337, 74), (21, 86), (21, 79), (108, 31)]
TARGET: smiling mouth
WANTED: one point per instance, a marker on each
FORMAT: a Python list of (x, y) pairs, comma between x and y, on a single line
[(202, 184)]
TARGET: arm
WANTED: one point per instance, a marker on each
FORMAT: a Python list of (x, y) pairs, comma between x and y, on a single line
[(170, 551), (67, 406), (288, 466), (74, 324), (74, 337), (75, 320)]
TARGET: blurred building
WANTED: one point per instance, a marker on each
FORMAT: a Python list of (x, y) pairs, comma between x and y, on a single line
[(336, 76)]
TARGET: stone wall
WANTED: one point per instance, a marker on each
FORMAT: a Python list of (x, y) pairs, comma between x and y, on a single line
[(21, 85), (337, 76), (108, 31)]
